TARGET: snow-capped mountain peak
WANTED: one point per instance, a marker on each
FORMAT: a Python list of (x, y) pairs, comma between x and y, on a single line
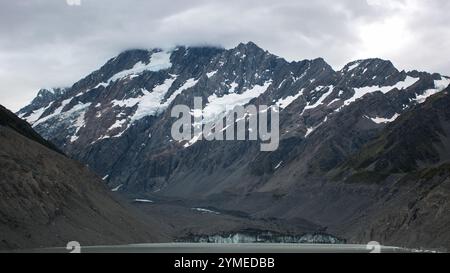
[(124, 107)]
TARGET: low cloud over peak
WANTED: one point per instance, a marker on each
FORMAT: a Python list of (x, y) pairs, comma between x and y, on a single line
[(52, 43)]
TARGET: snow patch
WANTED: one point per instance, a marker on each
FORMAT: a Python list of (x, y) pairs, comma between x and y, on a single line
[(57, 112), (278, 165), (321, 99), (76, 115), (361, 92), (439, 85), (80, 120), (211, 74), (151, 103), (205, 210), (36, 114), (333, 101), (233, 87), (117, 124), (283, 103), (188, 84), (192, 141), (117, 188), (142, 201), (217, 107), (310, 130), (379, 120), (158, 61), (352, 66)]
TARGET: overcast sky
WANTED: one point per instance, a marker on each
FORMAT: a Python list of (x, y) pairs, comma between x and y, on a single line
[(49, 43)]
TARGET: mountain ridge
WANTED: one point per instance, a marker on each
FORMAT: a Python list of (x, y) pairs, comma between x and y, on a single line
[(123, 96), (326, 117)]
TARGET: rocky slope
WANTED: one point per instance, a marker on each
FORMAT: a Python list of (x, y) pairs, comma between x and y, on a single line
[(117, 120), (410, 160), (47, 199)]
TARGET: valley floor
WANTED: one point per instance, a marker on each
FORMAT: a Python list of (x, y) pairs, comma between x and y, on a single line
[(187, 222)]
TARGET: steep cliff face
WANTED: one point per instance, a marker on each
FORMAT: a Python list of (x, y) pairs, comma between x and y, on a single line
[(47, 199)]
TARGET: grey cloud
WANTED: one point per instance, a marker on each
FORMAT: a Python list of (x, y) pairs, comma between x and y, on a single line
[(49, 43)]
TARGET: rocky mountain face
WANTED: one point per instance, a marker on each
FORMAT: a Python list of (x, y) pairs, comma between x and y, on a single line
[(409, 160), (47, 199), (117, 120)]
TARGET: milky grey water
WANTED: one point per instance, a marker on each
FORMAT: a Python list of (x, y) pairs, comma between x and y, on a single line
[(230, 248)]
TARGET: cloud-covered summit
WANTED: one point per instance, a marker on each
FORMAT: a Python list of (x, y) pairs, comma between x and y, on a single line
[(45, 43)]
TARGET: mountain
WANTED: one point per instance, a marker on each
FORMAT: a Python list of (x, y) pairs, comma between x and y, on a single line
[(48, 199), (410, 161), (118, 121)]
